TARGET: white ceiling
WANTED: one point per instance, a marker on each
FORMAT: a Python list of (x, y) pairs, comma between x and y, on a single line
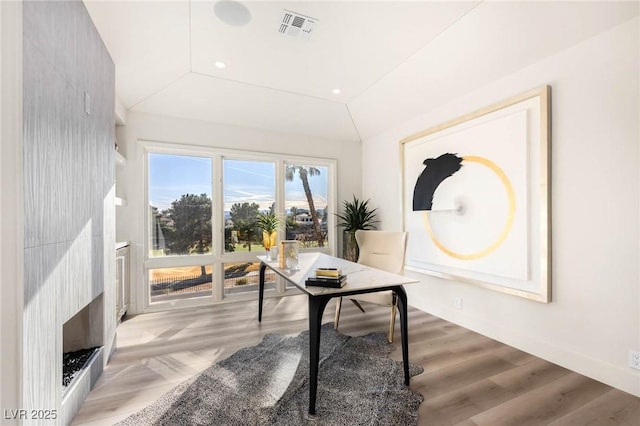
[(165, 53)]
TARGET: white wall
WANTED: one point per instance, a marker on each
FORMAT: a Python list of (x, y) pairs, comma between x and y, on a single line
[(148, 127), (594, 318), (11, 207)]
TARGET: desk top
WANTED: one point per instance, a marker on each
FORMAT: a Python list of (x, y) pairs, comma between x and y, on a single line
[(359, 277)]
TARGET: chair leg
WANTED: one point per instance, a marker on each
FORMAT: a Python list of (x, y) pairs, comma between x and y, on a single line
[(392, 322), (355, 302), (338, 307)]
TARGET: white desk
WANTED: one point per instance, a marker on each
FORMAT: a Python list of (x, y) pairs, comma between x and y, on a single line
[(360, 279)]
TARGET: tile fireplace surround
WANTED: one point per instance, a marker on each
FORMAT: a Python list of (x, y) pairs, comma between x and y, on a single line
[(69, 202)]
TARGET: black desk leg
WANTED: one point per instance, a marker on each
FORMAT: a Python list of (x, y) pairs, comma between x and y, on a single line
[(316, 308), (402, 307), (263, 267)]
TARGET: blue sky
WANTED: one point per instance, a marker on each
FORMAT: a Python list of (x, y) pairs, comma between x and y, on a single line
[(170, 176)]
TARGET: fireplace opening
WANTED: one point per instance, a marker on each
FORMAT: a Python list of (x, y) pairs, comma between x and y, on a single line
[(74, 362), (82, 338)]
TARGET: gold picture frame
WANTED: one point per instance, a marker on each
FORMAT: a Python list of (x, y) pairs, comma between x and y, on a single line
[(476, 197)]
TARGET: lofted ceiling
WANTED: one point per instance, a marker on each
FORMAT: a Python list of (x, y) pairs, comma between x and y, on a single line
[(166, 52)]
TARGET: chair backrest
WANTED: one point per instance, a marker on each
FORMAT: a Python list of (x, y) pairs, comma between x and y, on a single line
[(382, 249)]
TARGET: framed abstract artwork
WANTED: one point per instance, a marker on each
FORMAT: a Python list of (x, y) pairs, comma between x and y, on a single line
[(476, 197)]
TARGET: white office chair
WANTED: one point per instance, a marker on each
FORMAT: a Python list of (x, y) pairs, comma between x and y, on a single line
[(382, 250)]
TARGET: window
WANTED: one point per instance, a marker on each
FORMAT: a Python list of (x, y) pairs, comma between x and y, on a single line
[(306, 203), (202, 206), (179, 205), (167, 284), (238, 277), (249, 189)]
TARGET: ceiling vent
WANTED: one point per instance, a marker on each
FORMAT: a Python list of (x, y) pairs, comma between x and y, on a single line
[(294, 24)]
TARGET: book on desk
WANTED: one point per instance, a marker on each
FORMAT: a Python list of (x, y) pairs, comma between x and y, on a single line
[(327, 277), (328, 272)]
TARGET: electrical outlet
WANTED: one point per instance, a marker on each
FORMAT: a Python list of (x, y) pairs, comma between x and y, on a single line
[(634, 359), (457, 302)]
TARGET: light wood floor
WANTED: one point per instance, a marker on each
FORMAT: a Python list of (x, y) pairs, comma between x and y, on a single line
[(469, 379)]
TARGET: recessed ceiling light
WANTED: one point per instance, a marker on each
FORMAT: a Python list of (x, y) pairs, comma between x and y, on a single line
[(220, 64), (336, 91), (232, 13)]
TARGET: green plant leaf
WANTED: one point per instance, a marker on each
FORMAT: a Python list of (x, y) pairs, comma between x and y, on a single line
[(357, 215), (268, 221)]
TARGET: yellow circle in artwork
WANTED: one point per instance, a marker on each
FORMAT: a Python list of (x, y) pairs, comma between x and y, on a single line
[(507, 226)]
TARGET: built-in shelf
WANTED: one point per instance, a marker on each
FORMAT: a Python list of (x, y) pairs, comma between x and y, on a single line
[(121, 244), (120, 160)]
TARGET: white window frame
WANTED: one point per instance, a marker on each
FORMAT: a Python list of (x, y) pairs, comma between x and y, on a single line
[(217, 258)]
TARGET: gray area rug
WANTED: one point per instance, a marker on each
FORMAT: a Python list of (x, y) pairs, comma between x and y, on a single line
[(267, 384)]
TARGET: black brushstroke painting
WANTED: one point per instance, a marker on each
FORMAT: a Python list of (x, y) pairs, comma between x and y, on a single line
[(435, 172)]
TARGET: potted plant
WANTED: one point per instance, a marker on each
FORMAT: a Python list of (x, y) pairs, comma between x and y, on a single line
[(356, 215), (269, 224)]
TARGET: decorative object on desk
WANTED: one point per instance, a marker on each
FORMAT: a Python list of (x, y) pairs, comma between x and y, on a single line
[(288, 255), (245, 389), (291, 257), (357, 215), (323, 281), (269, 223), (273, 253), (476, 197)]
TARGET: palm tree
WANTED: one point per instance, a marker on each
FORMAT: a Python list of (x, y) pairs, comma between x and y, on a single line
[(304, 173)]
